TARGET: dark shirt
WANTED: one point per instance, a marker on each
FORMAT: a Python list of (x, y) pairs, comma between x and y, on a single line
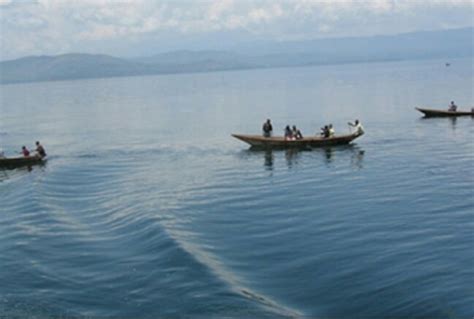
[(41, 151), (267, 127), (325, 131), (25, 152)]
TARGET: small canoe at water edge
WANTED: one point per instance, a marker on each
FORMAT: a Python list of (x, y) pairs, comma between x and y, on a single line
[(306, 142), (443, 113), (12, 162)]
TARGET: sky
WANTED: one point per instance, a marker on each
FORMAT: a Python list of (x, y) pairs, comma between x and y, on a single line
[(128, 28)]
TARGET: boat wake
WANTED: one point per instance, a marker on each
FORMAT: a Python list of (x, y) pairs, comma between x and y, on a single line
[(137, 241)]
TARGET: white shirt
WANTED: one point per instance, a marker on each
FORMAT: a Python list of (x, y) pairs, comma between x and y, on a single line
[(359, 128)]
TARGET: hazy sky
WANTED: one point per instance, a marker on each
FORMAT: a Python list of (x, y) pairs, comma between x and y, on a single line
[(145, 27)]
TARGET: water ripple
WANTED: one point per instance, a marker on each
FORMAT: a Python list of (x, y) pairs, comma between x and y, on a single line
[(148, 208)]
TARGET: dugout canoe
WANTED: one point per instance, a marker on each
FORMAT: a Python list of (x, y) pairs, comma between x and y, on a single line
[(13, 162), (443, 113), (258, 141)]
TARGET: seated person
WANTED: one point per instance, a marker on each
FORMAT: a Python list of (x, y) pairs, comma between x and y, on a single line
[(40, 149), (452, 107), (331, 130), (325, 131), (296, 133), (25, 151)]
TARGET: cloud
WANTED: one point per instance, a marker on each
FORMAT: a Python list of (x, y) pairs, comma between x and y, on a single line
[(57, 26), (218, 8)]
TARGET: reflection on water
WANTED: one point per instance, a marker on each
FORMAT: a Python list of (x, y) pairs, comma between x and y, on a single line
[(7, 172), (268, 159), (328, 154), (134, 218), (3, 175), (294, 156), (357, 158), (452, 120), (356, 154), (269, 156)]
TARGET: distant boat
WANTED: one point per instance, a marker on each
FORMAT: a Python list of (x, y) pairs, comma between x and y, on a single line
[(448, 64), (14, 162), (443, 113), (258, 141)]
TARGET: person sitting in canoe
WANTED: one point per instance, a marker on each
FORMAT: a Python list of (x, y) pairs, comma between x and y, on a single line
[(359, 129), (288, 133), (331, 130), (25, 151), (267, 128), (452, 107), (325, 131), (296, 133), (40, 149)]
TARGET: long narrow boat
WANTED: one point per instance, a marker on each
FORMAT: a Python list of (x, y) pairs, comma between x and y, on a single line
[(444, 113), (13, 162), (258, 141)]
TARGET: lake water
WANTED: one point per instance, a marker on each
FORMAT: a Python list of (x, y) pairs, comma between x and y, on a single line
[(148, 208)]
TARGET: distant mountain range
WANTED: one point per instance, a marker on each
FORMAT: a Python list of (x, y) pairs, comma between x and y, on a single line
[(420, 45)]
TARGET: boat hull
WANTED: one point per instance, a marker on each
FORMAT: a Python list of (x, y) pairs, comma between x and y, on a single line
[(258, 141), (14, 162), (443, 113)]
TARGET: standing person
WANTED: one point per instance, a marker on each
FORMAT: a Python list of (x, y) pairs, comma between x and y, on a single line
[(25, 151), (267, 128), (40, 149), (288, 133), (359, 129), (453, 107)]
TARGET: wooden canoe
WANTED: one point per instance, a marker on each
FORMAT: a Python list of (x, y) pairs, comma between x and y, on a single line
[(13, 162), (444, 113), (258, 141)]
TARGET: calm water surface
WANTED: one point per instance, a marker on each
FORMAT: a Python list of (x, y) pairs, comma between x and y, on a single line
[(148, 208)]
